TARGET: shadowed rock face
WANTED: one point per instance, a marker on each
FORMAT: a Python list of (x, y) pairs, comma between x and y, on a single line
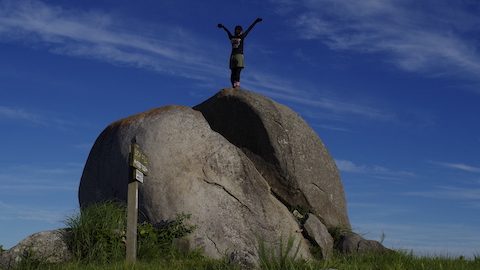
[(284, 149), (193, 170)]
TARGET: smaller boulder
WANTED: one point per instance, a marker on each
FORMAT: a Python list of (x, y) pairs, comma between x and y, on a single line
[(353, 243), (319, 235), (45, 247)]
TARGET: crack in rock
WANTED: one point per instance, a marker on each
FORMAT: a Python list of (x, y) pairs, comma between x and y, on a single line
[(321, 189), (287, 144), (214, 244), (228, 192)]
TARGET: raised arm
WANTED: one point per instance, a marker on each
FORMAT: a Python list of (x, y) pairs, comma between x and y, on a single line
[(251, 26), (226, 30)]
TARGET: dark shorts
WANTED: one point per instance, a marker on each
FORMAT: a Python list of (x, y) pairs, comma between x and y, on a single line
[(236, 61)]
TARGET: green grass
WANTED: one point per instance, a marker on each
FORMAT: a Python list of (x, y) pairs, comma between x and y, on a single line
[(97, 242), (393, 261), (97, 233), (195, 263), (399, 261), (283, 257)]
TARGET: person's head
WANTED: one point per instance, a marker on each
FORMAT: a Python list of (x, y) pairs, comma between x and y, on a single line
[(238, 30)]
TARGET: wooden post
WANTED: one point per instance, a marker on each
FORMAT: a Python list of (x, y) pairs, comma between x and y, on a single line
[(132, 217), (138, 168)]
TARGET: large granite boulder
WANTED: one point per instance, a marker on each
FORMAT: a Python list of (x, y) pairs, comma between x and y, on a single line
[(284, 149), (192, 170), (42, 247)]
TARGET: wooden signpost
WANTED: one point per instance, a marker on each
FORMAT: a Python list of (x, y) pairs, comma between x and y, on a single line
[(138, 168)]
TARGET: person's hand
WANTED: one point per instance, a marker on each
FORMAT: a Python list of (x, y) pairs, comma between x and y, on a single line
[(220, 25), (258, 20)]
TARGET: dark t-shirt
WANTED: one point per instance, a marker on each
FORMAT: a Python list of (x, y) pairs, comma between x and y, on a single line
[(237, 40), (237, 44)]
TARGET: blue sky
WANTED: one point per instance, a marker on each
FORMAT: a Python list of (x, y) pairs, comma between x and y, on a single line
[(392, 87)]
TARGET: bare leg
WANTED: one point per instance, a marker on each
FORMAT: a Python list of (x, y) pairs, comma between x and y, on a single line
[(235, 78)]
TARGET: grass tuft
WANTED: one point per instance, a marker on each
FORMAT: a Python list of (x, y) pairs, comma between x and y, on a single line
[(282, 259), (338, 232), (97, 233)]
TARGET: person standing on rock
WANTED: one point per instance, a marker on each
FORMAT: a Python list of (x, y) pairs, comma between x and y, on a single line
[(236, 57)]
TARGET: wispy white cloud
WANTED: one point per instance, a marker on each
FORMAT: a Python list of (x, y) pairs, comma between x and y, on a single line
[(102, 36), (471, 195), (18, 114), (425, 239), (44, 187), (457, 166), (31, 178), (334, 128), (434, 38), (335, 107), (372, 170), (43, 119), (315, 104), (83, 146), (24, 212), (323, 102), (278, 84)]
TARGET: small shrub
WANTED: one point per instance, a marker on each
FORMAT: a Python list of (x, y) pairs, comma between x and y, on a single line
[(156, 240), (338, 232), (177, 228), (2, 249), (97, 233)]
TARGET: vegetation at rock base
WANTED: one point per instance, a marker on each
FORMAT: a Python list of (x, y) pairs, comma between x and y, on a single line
[(96, 234), (271, 259), (97, 241), (283, 258), (157, 240), (338, 232)]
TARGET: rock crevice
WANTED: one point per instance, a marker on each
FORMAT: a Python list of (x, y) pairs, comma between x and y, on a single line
[(228, 192)]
